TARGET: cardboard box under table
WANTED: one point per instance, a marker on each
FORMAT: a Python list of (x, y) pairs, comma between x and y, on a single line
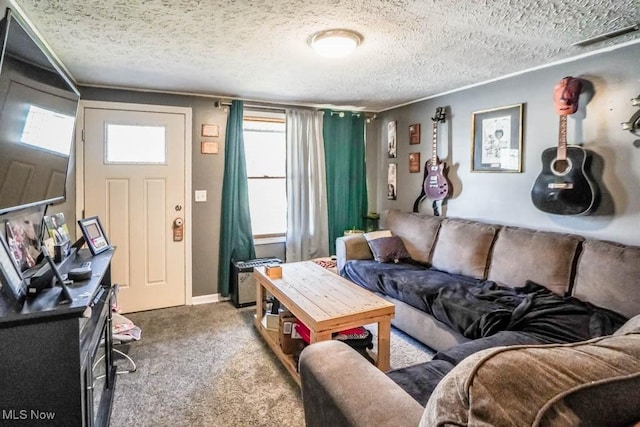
[(288, 338)]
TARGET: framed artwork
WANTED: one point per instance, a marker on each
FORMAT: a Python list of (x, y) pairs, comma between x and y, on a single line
[(10, 276), (209, 147), (414, 162), (496, 139), (414, 134), (57, 227), (94, 234), (210, 130), (23, 243), (392, 139), (391, 181)]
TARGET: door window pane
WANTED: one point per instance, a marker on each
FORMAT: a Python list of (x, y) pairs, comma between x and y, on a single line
[(135, 144)]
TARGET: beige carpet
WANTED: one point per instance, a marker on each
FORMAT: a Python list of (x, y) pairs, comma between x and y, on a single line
[(206, 365)]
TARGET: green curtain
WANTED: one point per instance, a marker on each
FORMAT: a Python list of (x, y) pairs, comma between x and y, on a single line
[(344, 148), (236, 237)]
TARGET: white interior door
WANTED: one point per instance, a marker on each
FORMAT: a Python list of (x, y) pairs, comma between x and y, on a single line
[(134, 180)]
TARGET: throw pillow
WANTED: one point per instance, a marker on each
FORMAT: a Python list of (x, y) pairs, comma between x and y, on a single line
[(377, 234), (388, 249)]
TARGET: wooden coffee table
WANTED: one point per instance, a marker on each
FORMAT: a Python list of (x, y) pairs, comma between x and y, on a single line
[(325, 303)]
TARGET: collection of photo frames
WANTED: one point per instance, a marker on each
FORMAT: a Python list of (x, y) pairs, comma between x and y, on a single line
[(20, 248), (496, 144), (208, 146)]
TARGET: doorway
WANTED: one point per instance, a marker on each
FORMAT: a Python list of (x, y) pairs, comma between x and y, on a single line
[(134, 169)]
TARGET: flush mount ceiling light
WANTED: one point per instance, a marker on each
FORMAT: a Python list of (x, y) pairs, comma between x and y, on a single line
[(335, 43)]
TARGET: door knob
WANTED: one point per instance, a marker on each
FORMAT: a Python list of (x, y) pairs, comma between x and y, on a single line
[(178, 230)]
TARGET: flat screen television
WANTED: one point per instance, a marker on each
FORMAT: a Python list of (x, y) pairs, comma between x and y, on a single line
[(38, 105)]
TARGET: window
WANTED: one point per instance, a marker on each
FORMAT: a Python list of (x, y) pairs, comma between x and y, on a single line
[(135, 144), (266, 154)]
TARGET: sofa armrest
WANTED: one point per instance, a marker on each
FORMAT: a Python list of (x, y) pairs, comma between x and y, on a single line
[(540, 385), (351, 247), (341, 388)]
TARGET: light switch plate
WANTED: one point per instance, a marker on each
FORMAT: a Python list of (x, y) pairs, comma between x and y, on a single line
[(201, 195)]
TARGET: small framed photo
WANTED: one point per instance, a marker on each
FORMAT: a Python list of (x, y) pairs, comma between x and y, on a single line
[(414, 162), (210, 130), (414, 134), (10, 276), (496, 139), (209, 147), (391, 182), (94, 234), (392, 139)]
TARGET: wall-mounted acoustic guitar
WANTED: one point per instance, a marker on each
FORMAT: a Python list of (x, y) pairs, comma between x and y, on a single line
[(564, 186), (435, 185)]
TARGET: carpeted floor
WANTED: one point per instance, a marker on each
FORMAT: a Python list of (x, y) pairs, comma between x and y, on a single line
[(206, 365)]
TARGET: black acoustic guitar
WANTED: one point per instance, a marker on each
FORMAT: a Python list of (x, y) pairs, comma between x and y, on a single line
[(564, 186), (435, 184)]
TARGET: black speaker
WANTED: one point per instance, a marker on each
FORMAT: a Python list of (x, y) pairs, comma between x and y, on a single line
[(40, 280), (242, 286)]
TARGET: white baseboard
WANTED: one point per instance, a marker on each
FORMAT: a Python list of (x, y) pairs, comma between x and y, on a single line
[(206, 299)]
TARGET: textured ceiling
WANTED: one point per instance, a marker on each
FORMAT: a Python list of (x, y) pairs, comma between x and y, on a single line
[(257, 49)]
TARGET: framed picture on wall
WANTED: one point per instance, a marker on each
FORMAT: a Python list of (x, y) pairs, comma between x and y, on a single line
[(496, 139), (210, 130), (414, 162), (391, 181), (392, 139), (414, 134)]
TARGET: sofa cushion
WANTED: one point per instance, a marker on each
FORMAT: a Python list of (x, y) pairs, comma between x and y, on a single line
[(418, 232), (516, 385), (632, 326), (608, 275), (463, 247), (520, 254), (388, 249)]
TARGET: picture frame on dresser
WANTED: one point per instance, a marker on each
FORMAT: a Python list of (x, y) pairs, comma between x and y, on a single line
[(94, 234), (11, 278)]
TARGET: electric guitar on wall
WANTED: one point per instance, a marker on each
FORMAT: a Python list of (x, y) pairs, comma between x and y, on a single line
[(435, 185), (564, 186)]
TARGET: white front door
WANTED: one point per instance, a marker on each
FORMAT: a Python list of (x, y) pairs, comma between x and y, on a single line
[(134, 180)]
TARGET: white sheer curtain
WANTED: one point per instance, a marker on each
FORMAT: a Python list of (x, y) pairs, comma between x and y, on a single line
[(307, 223)]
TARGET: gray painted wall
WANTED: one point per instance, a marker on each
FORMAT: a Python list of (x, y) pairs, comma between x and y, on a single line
[(207, 173), (505, 197)]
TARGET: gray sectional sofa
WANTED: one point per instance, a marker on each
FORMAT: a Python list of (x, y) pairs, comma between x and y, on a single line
[(601, 275)]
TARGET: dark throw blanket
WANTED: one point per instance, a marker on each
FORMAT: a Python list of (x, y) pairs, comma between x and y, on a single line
[(489, 314)]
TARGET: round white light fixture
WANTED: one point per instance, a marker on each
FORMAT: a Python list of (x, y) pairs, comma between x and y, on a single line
[(335, 43)]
